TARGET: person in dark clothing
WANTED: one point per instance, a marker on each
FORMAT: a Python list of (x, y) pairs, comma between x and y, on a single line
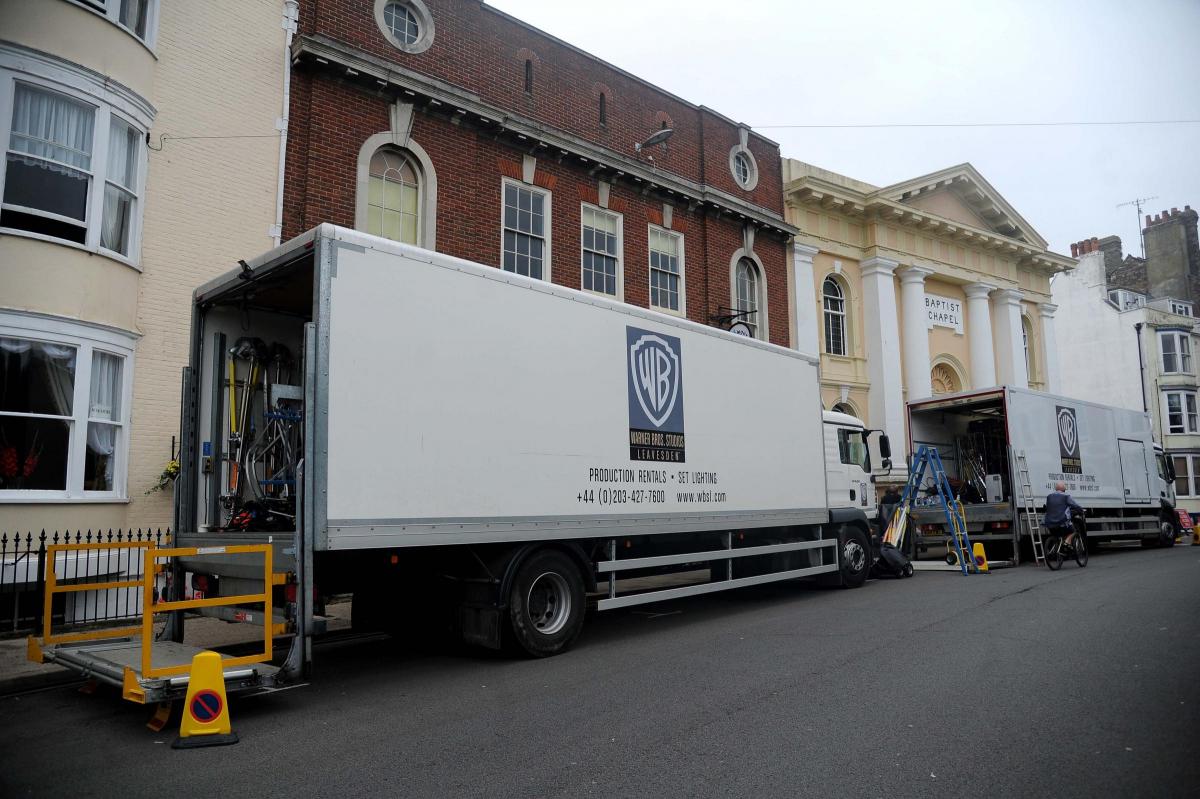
[(887, 506), (1059, 506)]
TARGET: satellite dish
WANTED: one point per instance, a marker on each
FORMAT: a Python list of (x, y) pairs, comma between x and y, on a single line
[(658, 138)]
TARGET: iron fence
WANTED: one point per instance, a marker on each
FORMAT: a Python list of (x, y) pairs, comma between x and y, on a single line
[(23, 564)]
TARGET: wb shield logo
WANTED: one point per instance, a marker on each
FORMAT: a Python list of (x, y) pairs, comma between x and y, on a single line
[(654, 377), (655, 366), (1068, 440)]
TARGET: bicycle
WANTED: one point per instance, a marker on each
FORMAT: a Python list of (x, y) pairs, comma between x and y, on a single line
[(1057, 546)]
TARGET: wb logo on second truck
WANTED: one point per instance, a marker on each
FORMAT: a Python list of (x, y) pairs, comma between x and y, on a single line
[(654, 374)]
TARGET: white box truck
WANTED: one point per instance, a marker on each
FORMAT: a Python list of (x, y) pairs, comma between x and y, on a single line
[(447, 440), (1106, 456)]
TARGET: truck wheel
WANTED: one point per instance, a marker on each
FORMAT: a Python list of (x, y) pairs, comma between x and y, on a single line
[(1166, 534), (854, 559), (546, 604)]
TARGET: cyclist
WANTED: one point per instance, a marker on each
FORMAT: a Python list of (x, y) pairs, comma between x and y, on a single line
[(1059, 506)]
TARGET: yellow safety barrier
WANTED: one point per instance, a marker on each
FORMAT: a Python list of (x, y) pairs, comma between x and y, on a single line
[(153, 562), (53, 587), (270, 580)]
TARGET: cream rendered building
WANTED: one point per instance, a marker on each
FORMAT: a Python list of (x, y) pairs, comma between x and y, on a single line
[(933, 285), (142, 141)]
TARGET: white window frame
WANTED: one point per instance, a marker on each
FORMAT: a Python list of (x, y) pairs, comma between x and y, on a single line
[(1190, 421), (547, 227), (1192, 461), (49, 74), (751, 181), (679, 239), (620, 289), (1181, 308), (425, 27), (759, 324), (1183, 351), (87, 339), (843, 314), (111, 10)]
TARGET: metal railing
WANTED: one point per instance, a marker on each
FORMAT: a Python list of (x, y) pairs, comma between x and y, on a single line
[(98, 574)]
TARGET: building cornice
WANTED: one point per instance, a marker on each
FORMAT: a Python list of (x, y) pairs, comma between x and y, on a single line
[(815, 192), (352, 64)]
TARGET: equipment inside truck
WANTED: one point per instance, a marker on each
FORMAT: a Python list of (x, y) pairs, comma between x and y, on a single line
[(251, 428), (973, 443)]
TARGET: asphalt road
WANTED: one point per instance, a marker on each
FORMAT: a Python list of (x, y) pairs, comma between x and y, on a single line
[(1084, 682)]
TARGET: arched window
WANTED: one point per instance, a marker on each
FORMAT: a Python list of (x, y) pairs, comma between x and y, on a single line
[(394, 197), (835, 317), (748, 290), (843, 407)]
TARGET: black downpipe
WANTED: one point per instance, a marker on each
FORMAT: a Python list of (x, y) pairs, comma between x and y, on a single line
[(1141, 366)]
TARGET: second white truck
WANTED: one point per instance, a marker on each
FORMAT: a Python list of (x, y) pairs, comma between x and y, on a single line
[(1106, 456)]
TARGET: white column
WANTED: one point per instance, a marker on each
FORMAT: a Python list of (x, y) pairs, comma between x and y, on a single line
[(979, 331), (1049, 346), (1010, 345), (885, 400), (805, 308), (916, 332)]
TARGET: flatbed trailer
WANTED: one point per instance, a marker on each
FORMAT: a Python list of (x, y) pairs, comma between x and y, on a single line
[(490, 450)]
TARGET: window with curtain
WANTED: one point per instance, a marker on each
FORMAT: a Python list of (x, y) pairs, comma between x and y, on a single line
[(135, 16), (394, 197), (72, 170), (62, 417), (748, 295), (48, 170), (834, 300)]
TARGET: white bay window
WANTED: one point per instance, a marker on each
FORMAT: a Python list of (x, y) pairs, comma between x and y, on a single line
[(1176, 349), (64, 399), (1181, 413), (75, 156)]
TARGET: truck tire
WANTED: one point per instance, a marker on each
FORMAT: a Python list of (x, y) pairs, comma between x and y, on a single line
[(1166, 533), (545, 604), (854, 559)]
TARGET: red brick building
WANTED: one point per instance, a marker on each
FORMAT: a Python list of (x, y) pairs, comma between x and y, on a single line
[(451, 125)]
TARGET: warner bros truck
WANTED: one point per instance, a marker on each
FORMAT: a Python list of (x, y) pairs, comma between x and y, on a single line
[(456, 444), (1106, 456)]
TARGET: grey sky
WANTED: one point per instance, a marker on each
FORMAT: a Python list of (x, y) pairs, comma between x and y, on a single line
[(779, 63)]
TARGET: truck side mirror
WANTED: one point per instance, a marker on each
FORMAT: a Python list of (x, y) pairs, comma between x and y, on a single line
[(885, 447), (1170, 464)]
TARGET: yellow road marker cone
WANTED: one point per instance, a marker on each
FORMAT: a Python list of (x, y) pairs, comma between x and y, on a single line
[(205, 719), (980, 558)]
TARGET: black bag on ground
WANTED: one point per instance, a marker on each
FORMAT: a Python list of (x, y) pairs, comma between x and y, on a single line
[(891, 563)]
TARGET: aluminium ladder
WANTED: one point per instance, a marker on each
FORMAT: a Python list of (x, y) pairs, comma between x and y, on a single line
[(928, 459), (1031, 516)]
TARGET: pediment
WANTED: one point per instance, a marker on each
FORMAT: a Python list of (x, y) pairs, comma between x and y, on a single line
[(962, 195)]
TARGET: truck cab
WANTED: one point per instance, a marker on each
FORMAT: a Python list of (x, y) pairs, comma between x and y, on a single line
[(849, 480)]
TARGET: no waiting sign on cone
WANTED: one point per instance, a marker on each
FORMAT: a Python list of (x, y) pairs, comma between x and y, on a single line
[(205, 719)]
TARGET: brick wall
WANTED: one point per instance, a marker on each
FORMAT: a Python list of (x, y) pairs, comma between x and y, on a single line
[(482, 51)]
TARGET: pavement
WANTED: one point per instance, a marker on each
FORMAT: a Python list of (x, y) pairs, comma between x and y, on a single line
[(1024, 682)]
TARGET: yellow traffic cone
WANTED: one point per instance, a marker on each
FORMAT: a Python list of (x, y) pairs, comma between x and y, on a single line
[(981, 564), (205, 719)]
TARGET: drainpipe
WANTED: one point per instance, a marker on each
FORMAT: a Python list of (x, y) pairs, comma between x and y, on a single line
[(291, 15), (1141, 366)]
